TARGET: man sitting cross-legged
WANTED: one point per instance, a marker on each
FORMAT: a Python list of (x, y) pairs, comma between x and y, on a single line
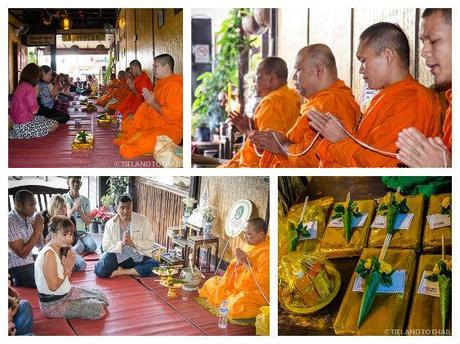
[(127, 244)]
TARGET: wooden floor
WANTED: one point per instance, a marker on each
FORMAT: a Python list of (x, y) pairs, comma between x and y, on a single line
[(138, 306), (55, 149)]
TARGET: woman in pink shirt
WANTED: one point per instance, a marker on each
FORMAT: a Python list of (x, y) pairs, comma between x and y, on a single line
[(24, 107)]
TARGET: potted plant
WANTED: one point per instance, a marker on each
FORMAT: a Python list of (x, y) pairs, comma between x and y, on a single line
[(208, 214), (100, 216), (189, 203)]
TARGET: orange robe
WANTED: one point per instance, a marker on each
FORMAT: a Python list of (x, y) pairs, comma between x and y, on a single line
[(338, 100), (119, 94), (277, 111), (238, 286), (447, 126), (108, 95), (403, 104), (139, 133), (131, 103)]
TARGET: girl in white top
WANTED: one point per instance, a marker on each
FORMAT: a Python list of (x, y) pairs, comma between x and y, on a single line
[(53, 269)]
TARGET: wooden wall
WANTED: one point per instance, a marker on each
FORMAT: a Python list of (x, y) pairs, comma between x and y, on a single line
[(20, 57), (141, 37), (224, 191), (340, 30), (162, 207)]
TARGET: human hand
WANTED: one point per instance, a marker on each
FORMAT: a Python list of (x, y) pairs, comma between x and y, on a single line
[(38, 223), (149, 96), (265, 140), (37, 90), (76, 208), (241, 257), (68, 261), (240, 121), (127, 239), (416, 150), (130, 83), (326, 126)]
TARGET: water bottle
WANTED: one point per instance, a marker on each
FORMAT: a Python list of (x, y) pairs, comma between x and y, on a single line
[(119, 119), (223, 312)]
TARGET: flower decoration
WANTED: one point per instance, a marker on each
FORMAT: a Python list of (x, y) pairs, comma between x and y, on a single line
[(391, 206), (346, 213), (445, 206), (101, 215), (208, 213), (189, 202), (442, 273), (374, 273)]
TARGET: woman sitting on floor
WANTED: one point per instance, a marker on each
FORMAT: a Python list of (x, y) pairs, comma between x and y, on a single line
[(59, 207), (53, 268), (24, 107), (46, 97)]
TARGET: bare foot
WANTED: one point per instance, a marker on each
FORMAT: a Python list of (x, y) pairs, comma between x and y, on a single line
[(117, 272)]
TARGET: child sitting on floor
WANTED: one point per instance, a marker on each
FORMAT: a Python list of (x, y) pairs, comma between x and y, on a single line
[(53, 268)]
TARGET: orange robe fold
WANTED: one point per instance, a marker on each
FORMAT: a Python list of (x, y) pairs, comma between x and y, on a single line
[(119, 94), (132, 102), (139, 133), (401, 105), (447, 126), (108, 95), (338, 100), (277, 111), (238, 286)]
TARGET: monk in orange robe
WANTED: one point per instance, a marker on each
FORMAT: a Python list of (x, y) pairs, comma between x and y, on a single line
[(401, 103), (278, 110), (246, 282), (112, 88), (316, 80), (416, 149), (160, 114), (121, 92), (132, 102)]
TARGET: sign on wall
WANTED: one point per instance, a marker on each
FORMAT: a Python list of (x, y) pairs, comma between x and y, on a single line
[(40, 40), (202, 53)]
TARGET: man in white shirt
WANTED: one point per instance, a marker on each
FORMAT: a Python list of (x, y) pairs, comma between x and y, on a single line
[(127, 244)]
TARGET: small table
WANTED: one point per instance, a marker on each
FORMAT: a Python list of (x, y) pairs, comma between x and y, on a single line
[(195, 243)]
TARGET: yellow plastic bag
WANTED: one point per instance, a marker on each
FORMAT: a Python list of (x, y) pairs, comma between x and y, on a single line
[(263, 321), (432, 238), (388, 313), (167, 153), (334, 245), (316, 210), (425, 314), (403, 238), (306, 283)]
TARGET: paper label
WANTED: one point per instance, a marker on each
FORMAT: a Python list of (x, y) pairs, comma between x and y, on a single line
[(356, 221), (403, 221), (397, 287), (427, 287), (438, 220), (312, 228)]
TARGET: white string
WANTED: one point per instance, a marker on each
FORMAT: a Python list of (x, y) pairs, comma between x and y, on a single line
[(257, 283), (285, 150), (358, 141), (444, 158)]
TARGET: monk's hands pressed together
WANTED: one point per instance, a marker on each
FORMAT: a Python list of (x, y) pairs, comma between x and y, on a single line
[(324, 124), (416, 150), (241, 257), (265, 140), (240, 121), (149, 96), (130, 84)]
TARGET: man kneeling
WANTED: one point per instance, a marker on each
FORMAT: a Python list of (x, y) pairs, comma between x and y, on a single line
[(246, 282), (127, 244)]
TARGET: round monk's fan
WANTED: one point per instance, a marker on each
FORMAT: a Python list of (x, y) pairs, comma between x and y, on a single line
[(240, 212)]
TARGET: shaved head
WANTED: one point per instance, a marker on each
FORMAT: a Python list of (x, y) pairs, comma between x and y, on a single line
[(384, 35), (314, 69), (445, 12), (276, 66), (320, 53)]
